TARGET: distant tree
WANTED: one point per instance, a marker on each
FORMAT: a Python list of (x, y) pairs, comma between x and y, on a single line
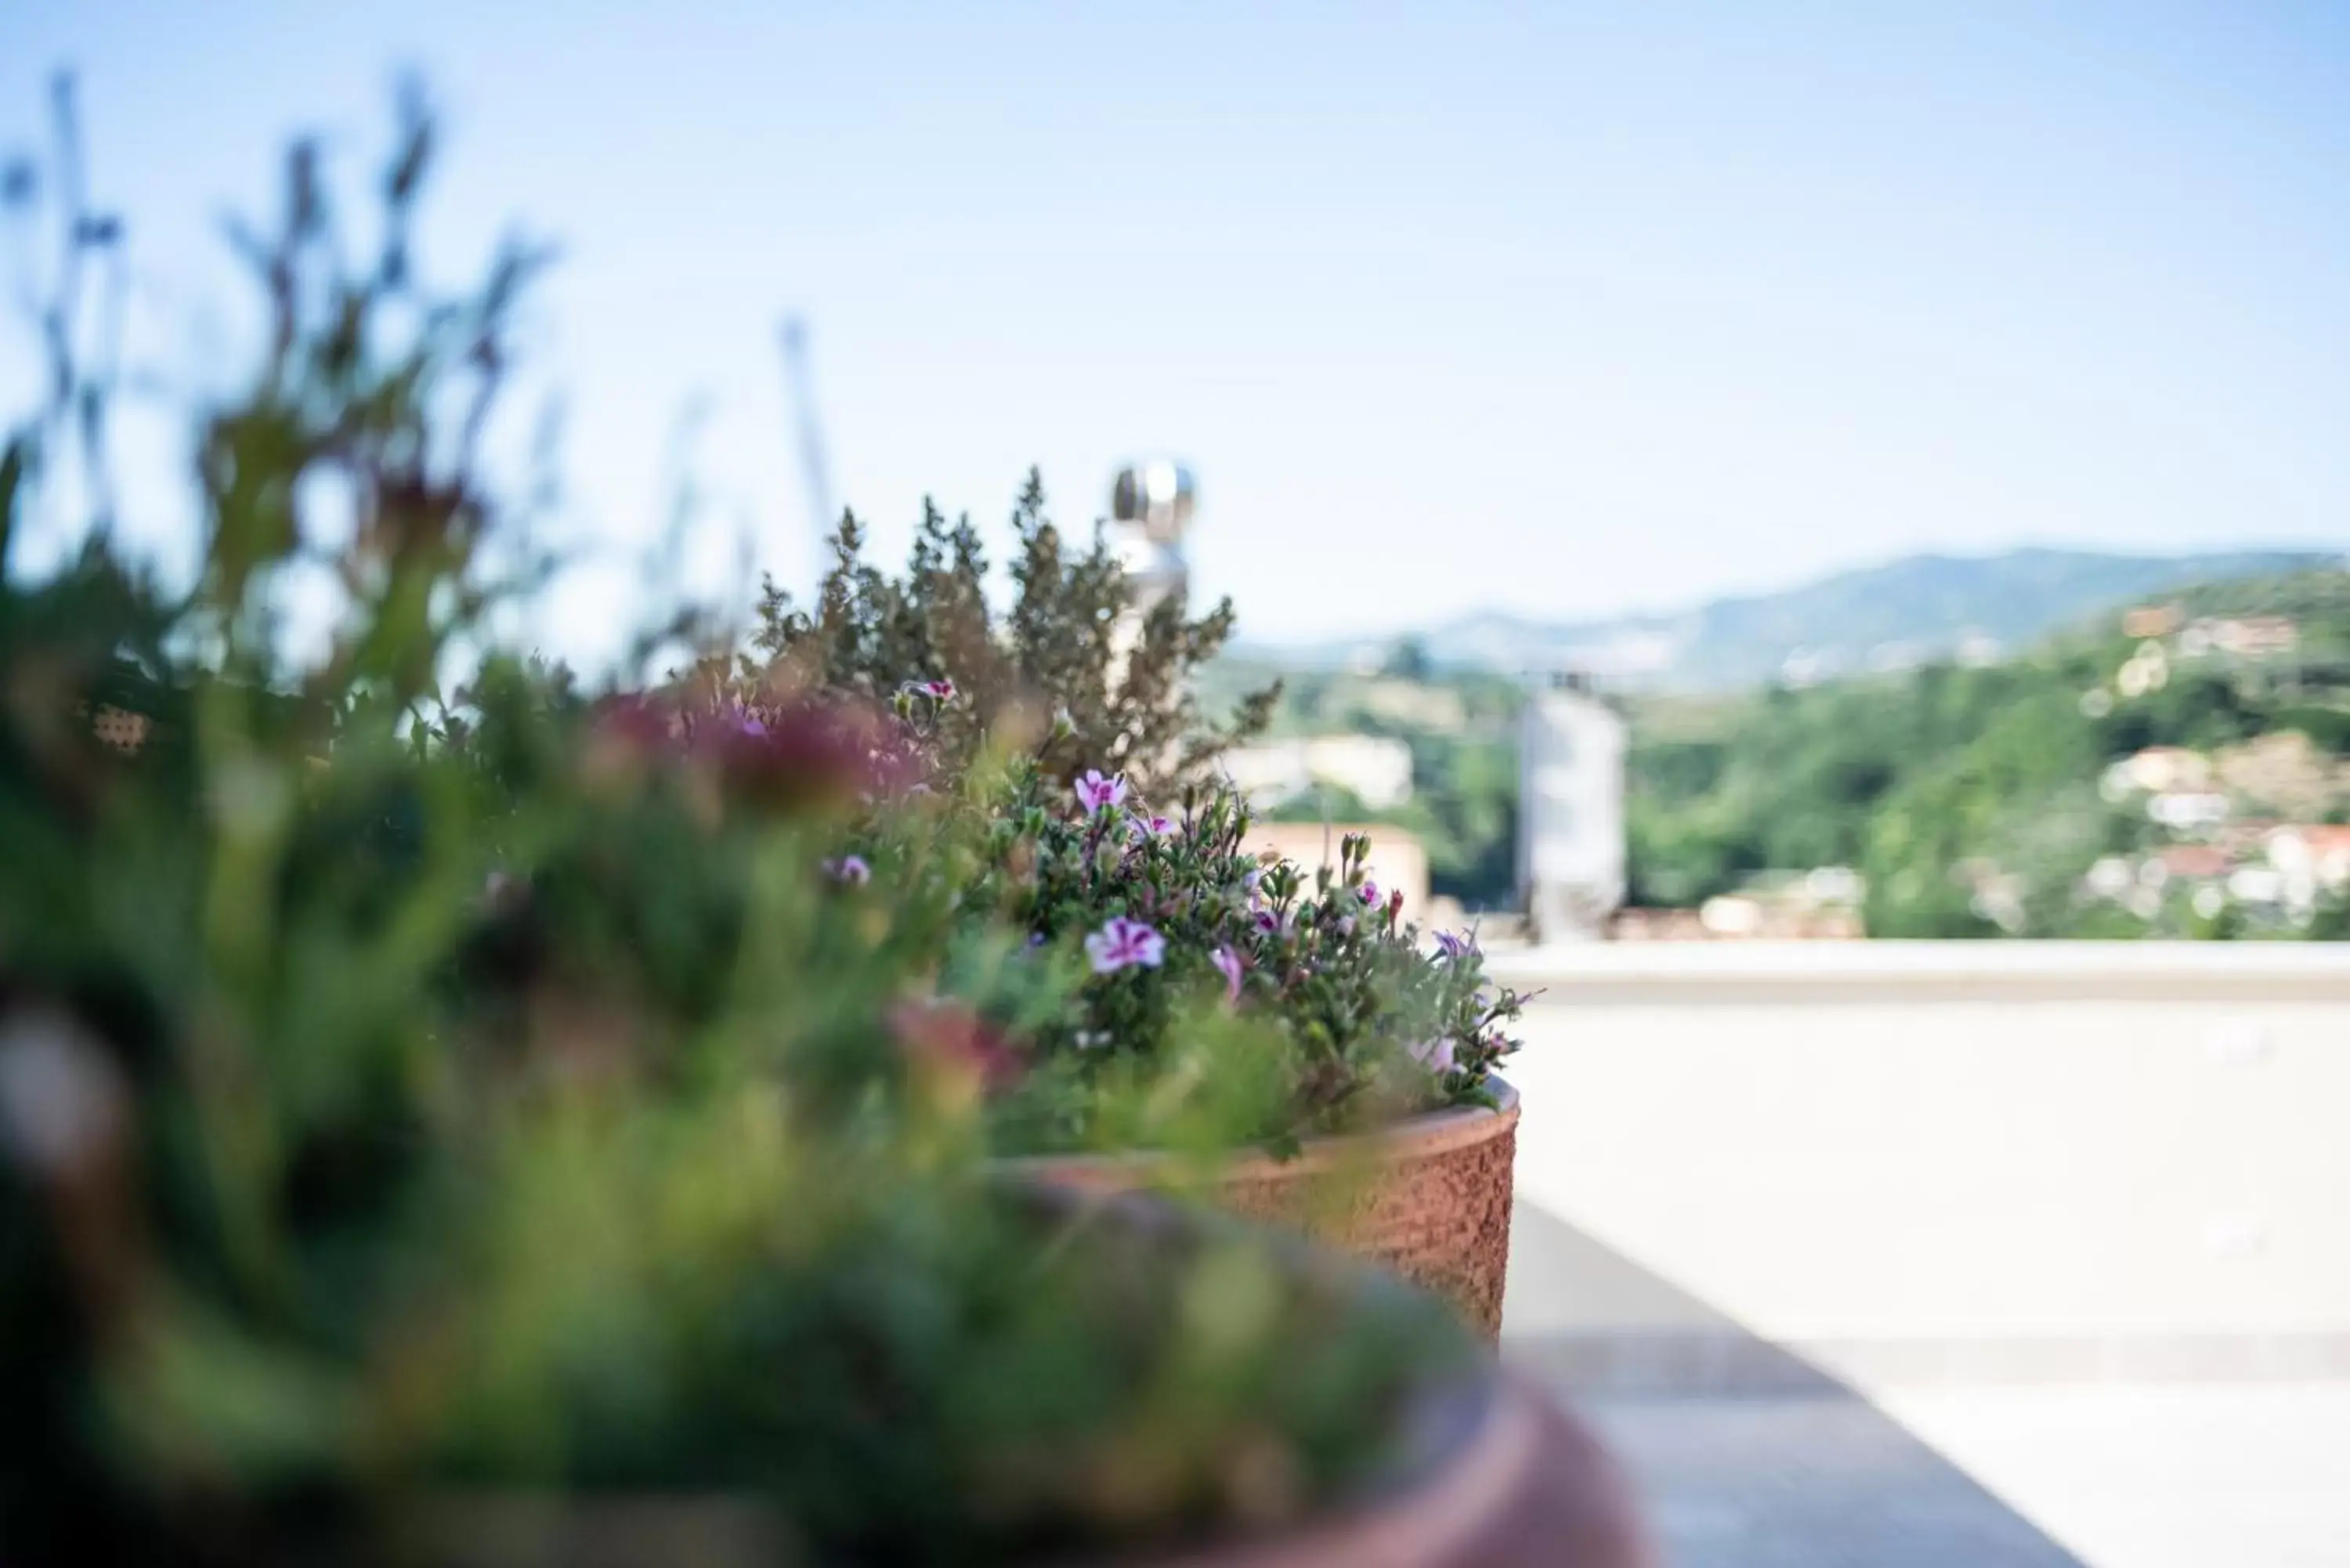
[(1407, 659)]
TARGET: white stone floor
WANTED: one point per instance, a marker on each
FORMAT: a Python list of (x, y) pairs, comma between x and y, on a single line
[(2178, 1476), (2051, 1476)]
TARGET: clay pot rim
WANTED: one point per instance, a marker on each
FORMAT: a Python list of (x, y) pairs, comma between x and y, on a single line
[(1495, 1454), (1496, 1429), (1429, 1514), (1427, 1134)]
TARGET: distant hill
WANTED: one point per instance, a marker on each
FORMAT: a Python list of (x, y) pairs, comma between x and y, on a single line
[(1882, 618)]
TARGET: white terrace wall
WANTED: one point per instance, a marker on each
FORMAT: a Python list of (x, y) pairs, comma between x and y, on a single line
[(1890, 1161)]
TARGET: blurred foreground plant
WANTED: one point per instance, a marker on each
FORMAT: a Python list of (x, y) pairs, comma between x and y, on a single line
[(421, 1123)]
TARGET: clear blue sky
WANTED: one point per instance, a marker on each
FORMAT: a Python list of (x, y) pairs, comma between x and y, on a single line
[(1556, 308)]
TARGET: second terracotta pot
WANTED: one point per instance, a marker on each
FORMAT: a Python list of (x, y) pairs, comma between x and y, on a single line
[(1428, 1198)]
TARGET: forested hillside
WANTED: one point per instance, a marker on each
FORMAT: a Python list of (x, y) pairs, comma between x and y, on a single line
[(1934, 781), (1974, 798)]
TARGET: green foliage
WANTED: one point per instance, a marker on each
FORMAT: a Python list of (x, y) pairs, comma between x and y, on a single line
[(1051, 664), (1163, 981), (1914, 778)]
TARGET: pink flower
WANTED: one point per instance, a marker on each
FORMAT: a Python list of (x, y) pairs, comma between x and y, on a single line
[(1097, 795), (1436, 1054), (849, 870), (1368, 892), (1123, 942), (952, 1039), (1228, 964), (1151, 828), (807, 756), (939, 690)]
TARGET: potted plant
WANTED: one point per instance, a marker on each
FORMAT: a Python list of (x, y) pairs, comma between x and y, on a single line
[(393, 1211), (1377, 1118), (1354, 1093), (509, 1130)]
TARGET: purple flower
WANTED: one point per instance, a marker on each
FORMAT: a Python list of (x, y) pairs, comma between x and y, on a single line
[(849, 870), (1150, 827), (1436, 1054), (1250, 877), (1123, 942), (939, 690), (1368, 892), (1268, 921), (1456, 947), (1228, 964), (1097, 795)]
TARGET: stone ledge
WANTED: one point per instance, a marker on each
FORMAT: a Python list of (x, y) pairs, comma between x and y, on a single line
[(1708, 1362)]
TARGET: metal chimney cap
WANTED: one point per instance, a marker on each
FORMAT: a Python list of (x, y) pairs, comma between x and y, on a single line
[(1157, 496)]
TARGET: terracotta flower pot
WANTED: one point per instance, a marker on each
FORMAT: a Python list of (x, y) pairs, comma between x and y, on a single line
[(1428, 1198)]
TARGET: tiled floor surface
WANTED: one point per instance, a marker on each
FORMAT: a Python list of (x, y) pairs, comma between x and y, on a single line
[(2081, 1476)]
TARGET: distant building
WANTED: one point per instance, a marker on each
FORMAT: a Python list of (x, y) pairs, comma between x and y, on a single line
[(1374, 769), (2147, 670), (1412, 702), (1736, 916), (2191, 863), (2151, 621), (2188, 811), (2243, 636), (1994, 893), (2111, 877), (2158, 770), (2284, 770), (2256, 885), (1729, 915), (1570, 811), (1633, 924), (2246, 836), (2210, 874), (2313, 859)]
